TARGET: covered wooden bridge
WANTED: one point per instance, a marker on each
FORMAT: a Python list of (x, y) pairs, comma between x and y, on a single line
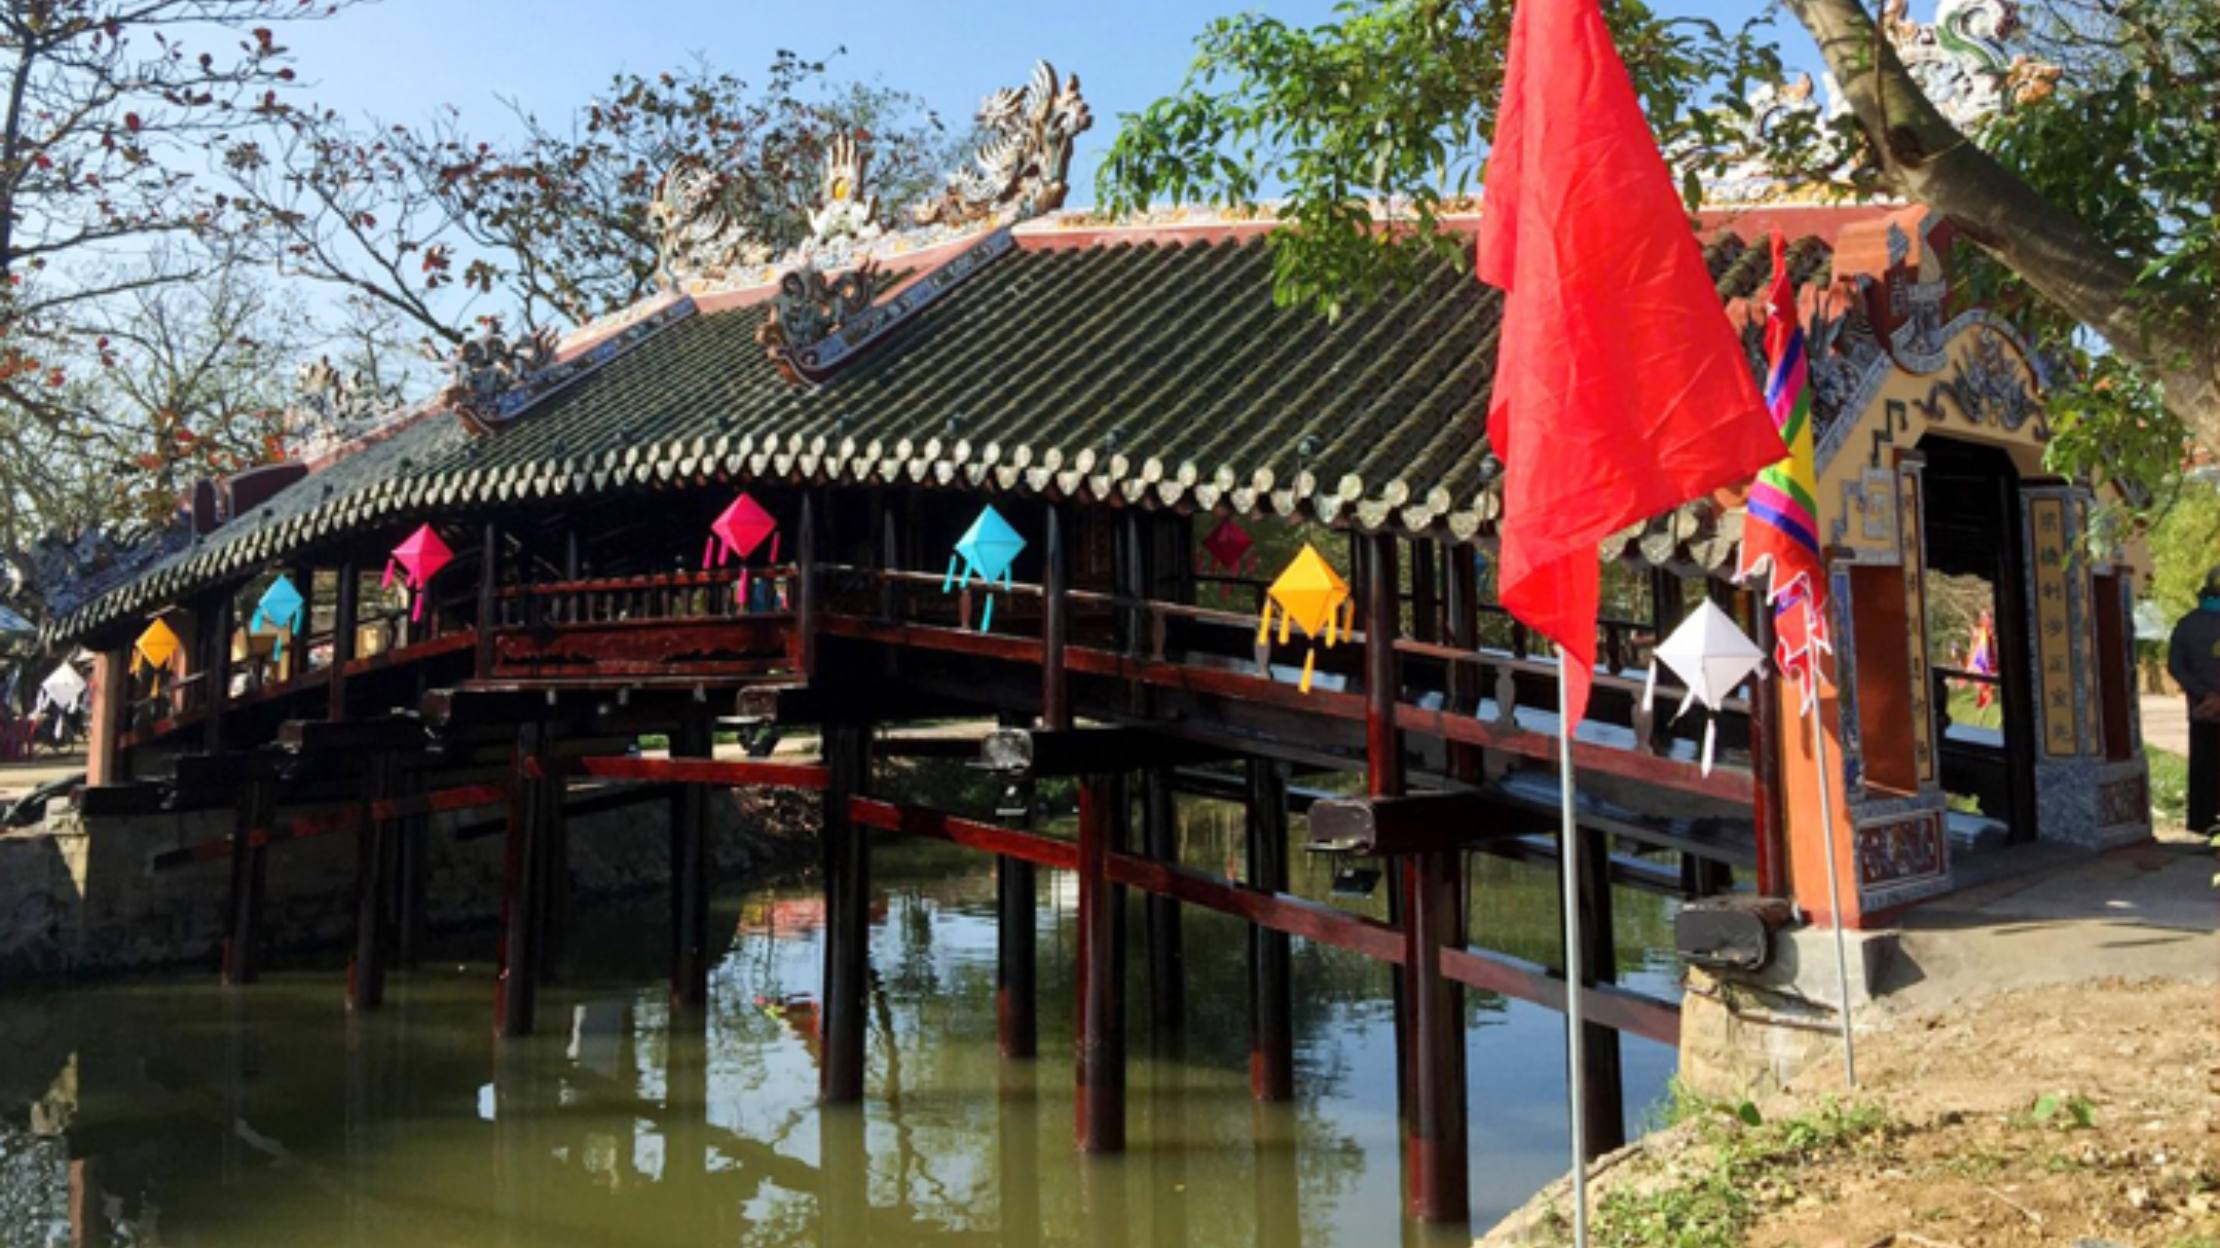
[(1118, 393)]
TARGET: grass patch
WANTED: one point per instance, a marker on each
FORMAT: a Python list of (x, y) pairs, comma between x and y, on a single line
[(1747, 1168), (2169, 785)]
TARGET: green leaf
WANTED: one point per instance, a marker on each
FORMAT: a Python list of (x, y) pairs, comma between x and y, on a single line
[(2046, 1108)]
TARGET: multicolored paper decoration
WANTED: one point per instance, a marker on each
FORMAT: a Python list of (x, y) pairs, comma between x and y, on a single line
[(155, 647), (282, 609), (986, 549), (418, 558), (736, 533), (1311, 596), (1711, 656), (1230, 547)]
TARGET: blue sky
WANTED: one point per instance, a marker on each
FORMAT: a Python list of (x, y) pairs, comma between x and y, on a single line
[(400, 59)]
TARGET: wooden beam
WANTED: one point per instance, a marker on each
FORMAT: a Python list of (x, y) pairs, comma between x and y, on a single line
[(1084, 751), (734, 773), (1414, 823), (357, 736), (1033, 847)]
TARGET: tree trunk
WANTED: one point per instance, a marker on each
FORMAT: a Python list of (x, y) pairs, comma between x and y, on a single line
[(1930, 160)]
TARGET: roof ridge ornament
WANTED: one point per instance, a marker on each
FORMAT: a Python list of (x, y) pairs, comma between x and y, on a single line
[(700, 233), (1962, 61), (846, 210), (1026, 159), (810, 307), (486, 373)]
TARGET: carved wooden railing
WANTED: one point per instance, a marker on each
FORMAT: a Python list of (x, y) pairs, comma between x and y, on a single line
[(678, 623)]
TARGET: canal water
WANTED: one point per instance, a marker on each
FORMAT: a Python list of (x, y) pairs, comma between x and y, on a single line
[(170, 1112)]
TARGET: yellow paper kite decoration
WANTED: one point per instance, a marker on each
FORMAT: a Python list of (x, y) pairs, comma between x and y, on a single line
[(155, 647), (1311, 596)]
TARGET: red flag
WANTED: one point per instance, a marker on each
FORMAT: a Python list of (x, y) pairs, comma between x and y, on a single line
[(1621, 390)]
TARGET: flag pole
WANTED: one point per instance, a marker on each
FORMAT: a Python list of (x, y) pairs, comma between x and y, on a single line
[(1834, 884), (1568, 858)]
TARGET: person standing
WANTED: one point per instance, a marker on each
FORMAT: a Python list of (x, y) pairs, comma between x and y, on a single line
[(2193, 660)]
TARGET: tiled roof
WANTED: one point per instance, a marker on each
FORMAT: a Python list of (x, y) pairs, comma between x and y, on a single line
[(1145, 372)]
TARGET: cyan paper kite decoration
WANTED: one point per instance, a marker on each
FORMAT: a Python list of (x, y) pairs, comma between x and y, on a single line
[(986, 549), (418, 559), (155, 647), (282, 610), (737, 533), (1311, 596), (1230, 547)]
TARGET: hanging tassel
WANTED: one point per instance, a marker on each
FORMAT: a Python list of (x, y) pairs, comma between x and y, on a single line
[(986, 614), (1286, 622), (1711, 736), (708, 552), (1649, 689), (1332, 618), (386, 581), (1264, 625), (948, 582), (1685, 703), (774, 547), (740, 593), (1310, 660)]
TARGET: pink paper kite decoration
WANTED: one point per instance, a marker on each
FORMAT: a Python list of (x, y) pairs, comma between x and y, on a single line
[(1228, 546), (419, 558), (737, 533)]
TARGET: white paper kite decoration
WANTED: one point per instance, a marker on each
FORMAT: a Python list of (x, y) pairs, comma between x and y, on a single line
[(1711, 656)]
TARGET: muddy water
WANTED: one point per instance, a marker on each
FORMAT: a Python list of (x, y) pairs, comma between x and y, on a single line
[(171, 1112)]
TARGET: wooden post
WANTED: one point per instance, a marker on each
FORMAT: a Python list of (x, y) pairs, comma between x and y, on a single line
[(1271, 988), (1167, 958), (555, 881), (111, 706), (1100, 1106), (515, 992), (489, 586), (1432, 1007), (690, 873), (1425, 601), (1604, 1106), (1017, 1008), (415, 859), (847, 912), (1056, 618), (248, 874), (366, 973), (216, 636), (805, 607), (344, 612), (1465, 690), (1767, 816)]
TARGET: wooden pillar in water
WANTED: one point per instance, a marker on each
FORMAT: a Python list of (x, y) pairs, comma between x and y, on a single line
[(373, 887), (1099, 1110), (1605, 1106), (1271, 986), (847, 913), (516, 989), (805, 594), (249, 871), (690, 873), (1462, 606), (1167, 956), (1434, 1177), (411, 877), (489, 585), (1017, 999), (343, 636)]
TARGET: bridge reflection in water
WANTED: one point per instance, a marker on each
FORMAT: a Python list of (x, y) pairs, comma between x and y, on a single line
[(176, 1112)]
